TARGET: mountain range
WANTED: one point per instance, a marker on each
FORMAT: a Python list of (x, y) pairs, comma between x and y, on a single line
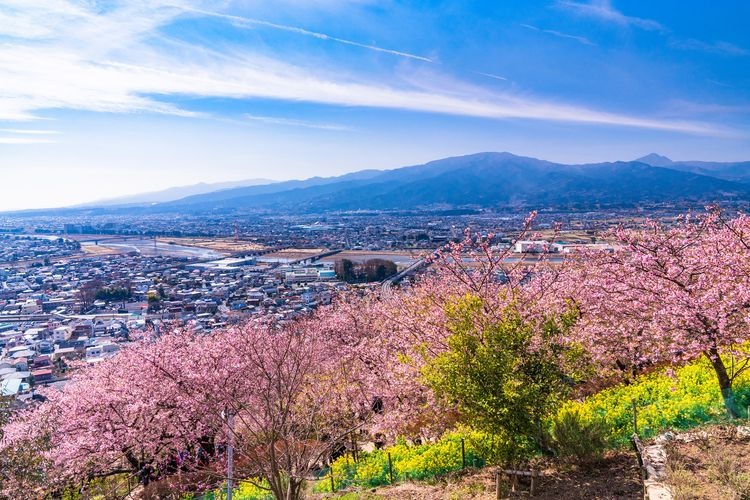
[(174, 193), (497, 180), (482, 180)]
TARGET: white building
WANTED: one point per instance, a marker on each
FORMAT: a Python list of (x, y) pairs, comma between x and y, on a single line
[(302, 275), (534, 246), (61, 333)]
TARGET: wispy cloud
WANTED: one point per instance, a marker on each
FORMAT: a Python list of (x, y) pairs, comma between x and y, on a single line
[(292, 122), (680, 107), (28, 131), (579, 39), (603, 9), (721, 84), (247, 21), (493, 76), (724, 48), (25, 140), (117, 61)]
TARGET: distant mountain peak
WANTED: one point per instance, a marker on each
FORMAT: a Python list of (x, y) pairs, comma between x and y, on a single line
[(487, 179), (655, 160), (483, 180)]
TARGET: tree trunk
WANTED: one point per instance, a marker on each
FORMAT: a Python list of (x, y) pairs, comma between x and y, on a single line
[(140, 468), (725, 383), (286, 488), (294, 489)]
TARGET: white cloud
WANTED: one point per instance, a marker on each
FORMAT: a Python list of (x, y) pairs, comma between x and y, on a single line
[(28, 131), (115, 60), (492, 75), (247, 21), (292, 122), (724, 48), (25, 140), (579, 39), (603, 9), (680, 107)]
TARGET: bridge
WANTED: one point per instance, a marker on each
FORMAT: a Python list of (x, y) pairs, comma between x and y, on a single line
[(112, 238), (315, 257), (387, 284)]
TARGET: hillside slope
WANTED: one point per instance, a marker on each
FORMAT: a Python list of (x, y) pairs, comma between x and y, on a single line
[(483, 180)]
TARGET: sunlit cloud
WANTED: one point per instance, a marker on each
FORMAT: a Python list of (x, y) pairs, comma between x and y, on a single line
[(118, 61)]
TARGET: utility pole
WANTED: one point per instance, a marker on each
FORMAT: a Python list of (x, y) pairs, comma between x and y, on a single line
[(229, 416)]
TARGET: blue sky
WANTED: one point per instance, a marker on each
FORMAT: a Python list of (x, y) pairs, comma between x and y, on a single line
[(105, 98)]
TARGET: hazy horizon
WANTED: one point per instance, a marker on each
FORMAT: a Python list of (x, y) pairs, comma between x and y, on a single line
[(106, 99), (253, 181)]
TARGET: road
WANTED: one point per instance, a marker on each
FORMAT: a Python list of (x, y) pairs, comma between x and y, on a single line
[(387, 285)]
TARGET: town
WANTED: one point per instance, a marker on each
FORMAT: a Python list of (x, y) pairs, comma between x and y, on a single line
[(73, 292)]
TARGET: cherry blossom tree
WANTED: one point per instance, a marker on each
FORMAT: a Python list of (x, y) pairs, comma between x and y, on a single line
[(156, 408), (293, 396), (119, 416), (668, 294), (398, 336)]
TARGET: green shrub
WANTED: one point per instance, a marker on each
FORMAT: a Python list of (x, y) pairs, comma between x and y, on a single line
[(574, 433), (503, 372)]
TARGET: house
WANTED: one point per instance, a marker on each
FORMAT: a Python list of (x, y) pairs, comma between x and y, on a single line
[(23, 353), (10, 387), (84, 328), (110, 348), (30, 307), (95, 351), (45, 347), (61, 333), (65, 352), (34, 333), (41, 361), (21, 364), (9, 337), (42, 375)]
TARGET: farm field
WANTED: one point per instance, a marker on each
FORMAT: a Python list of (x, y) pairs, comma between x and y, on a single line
[(289, 254), (216, 244)]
